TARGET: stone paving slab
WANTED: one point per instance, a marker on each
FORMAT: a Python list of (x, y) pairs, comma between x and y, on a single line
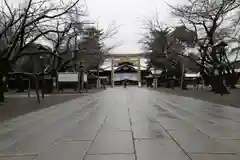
[(174, 124), (159, 150), (184, 114), (167, 115), (197, 142), (112, 142), (15, 107), (120, 124), (18, 158), (65, 151), (85, 130), (217, 116), (111, 157), (56, 111), (214, 157), (117, 124), (149, 130), (81, 134), (215, 112), (206, 95), (234, 144), (26, 126), (35, 143), (142, 116), (220, 132)]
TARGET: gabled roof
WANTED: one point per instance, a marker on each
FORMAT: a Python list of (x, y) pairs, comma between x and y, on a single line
[(125, 67)]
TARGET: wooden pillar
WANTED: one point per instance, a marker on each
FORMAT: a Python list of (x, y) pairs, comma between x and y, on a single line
[(139, 72), (98, 79), (79, 82), (112, 75), (182, 76), (154, 79), (29, 87), (37, 87)]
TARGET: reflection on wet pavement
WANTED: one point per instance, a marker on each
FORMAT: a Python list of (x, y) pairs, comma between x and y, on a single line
[(124, 124)]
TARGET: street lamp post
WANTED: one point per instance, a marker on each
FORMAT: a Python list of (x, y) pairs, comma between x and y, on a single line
[(182, 76)]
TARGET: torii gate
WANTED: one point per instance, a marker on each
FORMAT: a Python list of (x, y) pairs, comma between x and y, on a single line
[(126, 58)]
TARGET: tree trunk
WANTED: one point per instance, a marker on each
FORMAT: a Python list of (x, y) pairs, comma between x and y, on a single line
[(44, 86), (20, 84), (233, 78), (2, 94), (218, 85), (207, 79), (3, 88), (213, 84), (4, 67), (221, 89)]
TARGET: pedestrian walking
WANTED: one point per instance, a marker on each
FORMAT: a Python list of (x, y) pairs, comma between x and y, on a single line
[(104, 83), (172, 82), (125, 83)]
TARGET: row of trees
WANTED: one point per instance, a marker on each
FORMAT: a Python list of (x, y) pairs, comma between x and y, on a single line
[(42, 37), (210, 28)]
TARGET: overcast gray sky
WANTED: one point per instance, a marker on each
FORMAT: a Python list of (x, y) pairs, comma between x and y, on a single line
[(130, 16)]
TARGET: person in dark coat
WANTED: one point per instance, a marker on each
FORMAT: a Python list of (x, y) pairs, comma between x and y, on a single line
[(125, 83)]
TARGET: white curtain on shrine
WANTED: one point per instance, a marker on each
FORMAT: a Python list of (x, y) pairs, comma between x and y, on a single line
[(129, 76)]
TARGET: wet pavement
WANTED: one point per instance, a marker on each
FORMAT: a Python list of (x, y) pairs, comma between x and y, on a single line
[(124, 124)]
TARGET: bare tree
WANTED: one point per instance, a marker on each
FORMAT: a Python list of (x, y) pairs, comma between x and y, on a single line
[(23, 26), (59, 23), (210, 22)]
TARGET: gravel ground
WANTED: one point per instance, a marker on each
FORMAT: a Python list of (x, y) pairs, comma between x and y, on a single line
[(232, 99), (17, 104)]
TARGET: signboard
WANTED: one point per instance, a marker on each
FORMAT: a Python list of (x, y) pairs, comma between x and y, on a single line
[(121, 60), (68, 77)]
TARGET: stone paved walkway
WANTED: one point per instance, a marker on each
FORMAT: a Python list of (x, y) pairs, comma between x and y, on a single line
[(124, 124), (206, 95)]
